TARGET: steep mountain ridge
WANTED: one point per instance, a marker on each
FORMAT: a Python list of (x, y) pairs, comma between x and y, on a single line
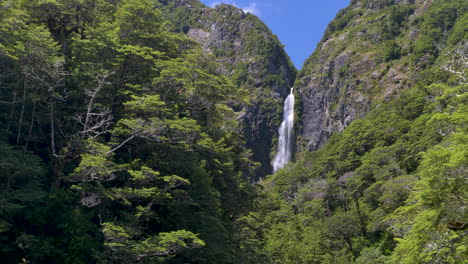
[(381, 172), (120, 138), (370, 53), (252, 56)]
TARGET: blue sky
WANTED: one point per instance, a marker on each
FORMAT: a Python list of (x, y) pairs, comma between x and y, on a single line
[(299, 24)]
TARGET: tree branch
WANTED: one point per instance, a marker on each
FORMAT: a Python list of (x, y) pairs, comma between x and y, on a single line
[(121, 144)]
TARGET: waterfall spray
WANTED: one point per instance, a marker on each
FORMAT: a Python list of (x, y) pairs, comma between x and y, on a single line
[(285, 144)]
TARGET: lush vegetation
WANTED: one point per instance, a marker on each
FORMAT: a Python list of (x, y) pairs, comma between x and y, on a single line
[(252, 57), (389, 189), (117, 141), (120, 140)]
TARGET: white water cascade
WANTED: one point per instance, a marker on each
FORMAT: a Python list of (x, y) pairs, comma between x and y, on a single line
[(285, 143)]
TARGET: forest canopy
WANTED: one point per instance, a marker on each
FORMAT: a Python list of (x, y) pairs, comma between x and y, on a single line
[(122, 140)]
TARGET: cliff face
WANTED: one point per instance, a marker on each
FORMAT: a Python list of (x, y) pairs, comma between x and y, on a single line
[(402, 67), (252, 57), (370, 52)]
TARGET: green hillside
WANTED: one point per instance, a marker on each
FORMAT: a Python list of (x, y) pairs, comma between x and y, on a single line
[(142, 131)]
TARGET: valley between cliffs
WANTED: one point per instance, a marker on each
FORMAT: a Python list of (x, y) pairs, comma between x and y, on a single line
[(144, 131)]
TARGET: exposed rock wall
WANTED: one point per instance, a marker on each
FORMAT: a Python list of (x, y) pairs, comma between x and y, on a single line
[(252, 56), (363, 59)]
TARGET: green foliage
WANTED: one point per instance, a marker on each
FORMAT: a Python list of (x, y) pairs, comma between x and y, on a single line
[(21, 180), (341, 20), (120, 144), (251, 56), (436, 207), (133, 136), (124, 249), (392, 51), (370, 195), (395, 21), (437, 23), (95, 164)]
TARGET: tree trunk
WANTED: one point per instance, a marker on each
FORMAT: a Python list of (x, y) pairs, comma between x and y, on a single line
[(20, 124), (30, 126), (361, 218), (12, 111), (52, 129), (350, 244)]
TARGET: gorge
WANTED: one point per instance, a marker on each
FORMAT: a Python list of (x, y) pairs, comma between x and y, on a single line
[(158, 131)]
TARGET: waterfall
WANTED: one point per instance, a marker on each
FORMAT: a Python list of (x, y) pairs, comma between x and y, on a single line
[(285, 143)]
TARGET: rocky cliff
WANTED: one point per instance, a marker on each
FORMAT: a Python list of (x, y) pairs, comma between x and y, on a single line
[(382, 190), (251, 56), (370, 52)]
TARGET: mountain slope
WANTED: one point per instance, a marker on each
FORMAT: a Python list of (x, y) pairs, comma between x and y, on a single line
[(384, 111), (371, 52), (252, 57), (120, 139)]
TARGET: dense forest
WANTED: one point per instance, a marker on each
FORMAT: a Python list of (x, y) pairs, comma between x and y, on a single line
[(118, 145), (131, 133)]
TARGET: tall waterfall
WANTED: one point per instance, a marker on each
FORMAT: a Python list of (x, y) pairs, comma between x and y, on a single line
[(285, 144)]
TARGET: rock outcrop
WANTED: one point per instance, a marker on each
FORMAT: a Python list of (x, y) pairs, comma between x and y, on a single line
[(252, 56), (370, 52)]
